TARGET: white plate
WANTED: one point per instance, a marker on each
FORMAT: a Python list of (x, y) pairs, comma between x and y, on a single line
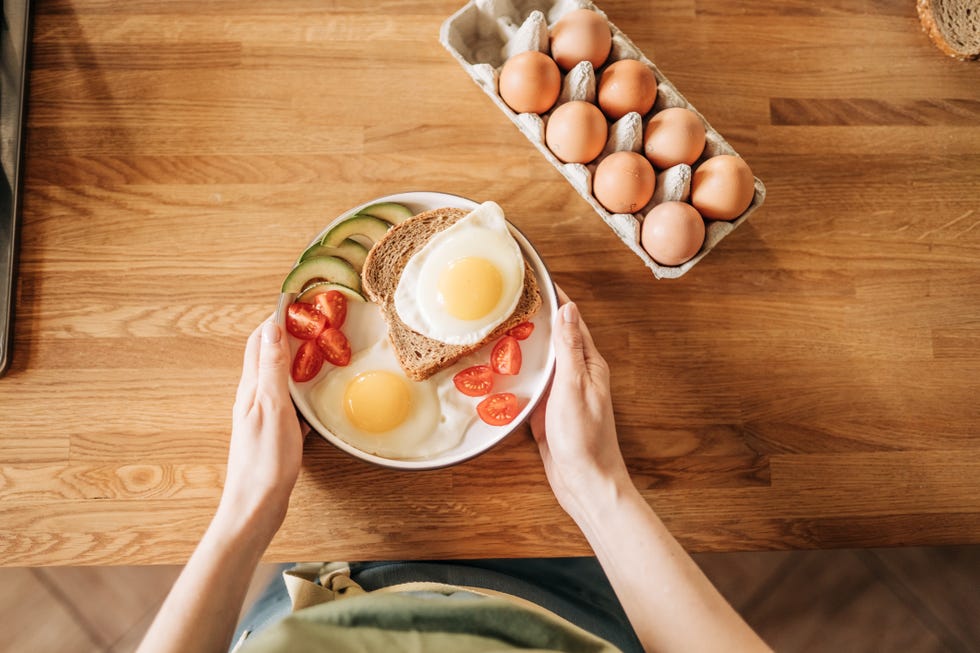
[(537, 352)]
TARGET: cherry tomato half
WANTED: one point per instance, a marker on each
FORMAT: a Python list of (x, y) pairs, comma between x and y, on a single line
[(307, 362), (304, 320), (522, 330), (506, 356), (333, 304), (498, 409), (334, 346), (474, 381)]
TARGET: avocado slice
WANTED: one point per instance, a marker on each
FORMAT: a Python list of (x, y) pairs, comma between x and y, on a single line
[(323, 286), (321, 268), (363, 225), (390, 212), (350, 250)]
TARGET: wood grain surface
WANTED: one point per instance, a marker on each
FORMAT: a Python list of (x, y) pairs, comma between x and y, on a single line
[(814, 382)]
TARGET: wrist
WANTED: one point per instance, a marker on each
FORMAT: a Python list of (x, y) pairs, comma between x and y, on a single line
[(599, 497), (225, 548), (243, 526)]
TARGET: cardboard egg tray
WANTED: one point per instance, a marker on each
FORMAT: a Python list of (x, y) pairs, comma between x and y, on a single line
[(485, 33)]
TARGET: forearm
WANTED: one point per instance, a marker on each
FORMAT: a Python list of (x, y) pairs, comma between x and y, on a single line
[(669, 601), (264, 456), (202, 609)]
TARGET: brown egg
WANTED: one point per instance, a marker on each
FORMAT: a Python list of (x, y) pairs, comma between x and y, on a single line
[(624, 182), (580, 35), (673, 136), (722, 187), (672, 233), (627, 85), (576, 132), (530, 82)]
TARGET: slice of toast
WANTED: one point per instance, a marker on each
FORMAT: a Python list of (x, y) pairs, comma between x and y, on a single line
[(953, 26), (420, 356)]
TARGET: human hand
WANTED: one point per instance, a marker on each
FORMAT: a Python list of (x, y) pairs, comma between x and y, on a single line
[(574, 427), (266, 446)]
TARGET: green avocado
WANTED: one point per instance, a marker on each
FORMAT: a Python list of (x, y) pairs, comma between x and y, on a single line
[(350, 250), (321, 268), (391, 212), (358, 225), (315, 289)]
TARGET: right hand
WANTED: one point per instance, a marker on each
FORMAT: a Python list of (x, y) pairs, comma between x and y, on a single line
[(574, 427)]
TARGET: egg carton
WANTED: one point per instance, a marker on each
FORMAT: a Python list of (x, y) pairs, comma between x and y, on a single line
[(483, 34)]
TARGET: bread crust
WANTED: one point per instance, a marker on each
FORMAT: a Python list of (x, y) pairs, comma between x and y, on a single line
[(418, 355), (927, 16)]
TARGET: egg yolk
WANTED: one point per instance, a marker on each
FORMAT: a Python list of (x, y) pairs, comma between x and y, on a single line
[(377, 401), (469, 288)]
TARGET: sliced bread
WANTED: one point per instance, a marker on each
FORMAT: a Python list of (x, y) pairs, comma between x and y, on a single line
[(420, 356), (953, 25)]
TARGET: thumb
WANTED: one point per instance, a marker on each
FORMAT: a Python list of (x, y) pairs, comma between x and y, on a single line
[(273, 360), (569, 344)]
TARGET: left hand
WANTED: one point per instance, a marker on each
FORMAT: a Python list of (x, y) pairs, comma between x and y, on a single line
[(266, 438), (264, 457)]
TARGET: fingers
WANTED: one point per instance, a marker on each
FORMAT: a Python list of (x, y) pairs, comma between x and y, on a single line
[(273, 368), (587, 342), (593, 359), (250, 369), (562, 297), (569, 345), (563, 300), (576, 353)]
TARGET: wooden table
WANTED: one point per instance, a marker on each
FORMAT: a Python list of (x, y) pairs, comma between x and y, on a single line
[(814, 382)]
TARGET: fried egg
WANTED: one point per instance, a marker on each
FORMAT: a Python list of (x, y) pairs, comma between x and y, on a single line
[(372, 405), (465, 281)]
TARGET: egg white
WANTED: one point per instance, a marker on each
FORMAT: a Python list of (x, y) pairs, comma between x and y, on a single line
[(436, 423), (483, 233), (364, 326)]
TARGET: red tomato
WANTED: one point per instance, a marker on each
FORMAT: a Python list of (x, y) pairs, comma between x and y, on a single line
[(522, 330), (333, 304), (304, 320), (498, 409), (307, 362), (474, 381), (506, 356), (334, 346)]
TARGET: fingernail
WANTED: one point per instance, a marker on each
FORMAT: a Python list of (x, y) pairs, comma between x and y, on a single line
[(570, 312), (270, 332)]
